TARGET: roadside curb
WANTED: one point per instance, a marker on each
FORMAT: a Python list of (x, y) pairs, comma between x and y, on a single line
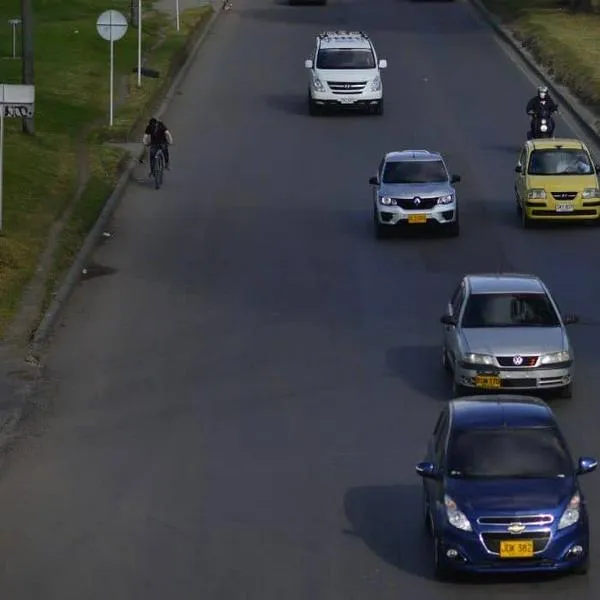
[(588, 121), (73, 276)]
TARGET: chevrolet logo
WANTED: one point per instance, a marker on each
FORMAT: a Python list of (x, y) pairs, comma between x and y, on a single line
[(516, 528)]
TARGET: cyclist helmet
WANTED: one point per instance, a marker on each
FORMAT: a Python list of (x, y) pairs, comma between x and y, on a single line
[(542, 92)]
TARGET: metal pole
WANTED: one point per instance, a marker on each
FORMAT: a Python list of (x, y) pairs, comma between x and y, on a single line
[(14, 28), (177, 12), (112, 76), (139, 74), (1, 154)]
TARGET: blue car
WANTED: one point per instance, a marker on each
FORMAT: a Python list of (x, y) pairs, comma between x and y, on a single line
[(501, 490)]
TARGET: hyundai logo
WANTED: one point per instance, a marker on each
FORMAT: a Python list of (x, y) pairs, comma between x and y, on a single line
[(417, 201), (347, 86), (517, 360), (516, 528)]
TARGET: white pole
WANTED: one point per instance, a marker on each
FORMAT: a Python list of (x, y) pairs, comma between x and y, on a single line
[(14, 28), (112, 76), (139, 82), (1, 153), (177, 12)]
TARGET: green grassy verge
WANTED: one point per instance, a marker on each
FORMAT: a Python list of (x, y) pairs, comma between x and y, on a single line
[(72, 95), (568, 45)]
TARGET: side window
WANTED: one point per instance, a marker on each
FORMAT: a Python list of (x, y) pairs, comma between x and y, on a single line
[(380, 170), (457, 299), (523, 158)]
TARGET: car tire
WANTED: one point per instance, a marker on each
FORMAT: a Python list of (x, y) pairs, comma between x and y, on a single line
[(526, 222), (313, 108), (583, 568), (381, 231), (458, 390), (565, 392), (378, 110), (440, 570), (453, 230)]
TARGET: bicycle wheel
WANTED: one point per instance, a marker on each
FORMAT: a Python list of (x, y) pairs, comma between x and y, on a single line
[(159, 166)]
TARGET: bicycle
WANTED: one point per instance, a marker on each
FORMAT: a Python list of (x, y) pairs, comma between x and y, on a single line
[(157, 166)]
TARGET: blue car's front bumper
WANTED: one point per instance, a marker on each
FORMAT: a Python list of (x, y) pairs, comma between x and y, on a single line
[(474, 556)]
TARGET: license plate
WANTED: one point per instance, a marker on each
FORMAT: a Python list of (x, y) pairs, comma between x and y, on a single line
[(347, 100), (417, 218), (564, 208), (520, 549), (488, 381)]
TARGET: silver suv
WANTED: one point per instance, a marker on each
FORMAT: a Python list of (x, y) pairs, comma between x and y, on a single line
[(505, 332), (413, 188)]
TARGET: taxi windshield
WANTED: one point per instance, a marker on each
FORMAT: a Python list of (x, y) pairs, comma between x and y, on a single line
[(560, 161)]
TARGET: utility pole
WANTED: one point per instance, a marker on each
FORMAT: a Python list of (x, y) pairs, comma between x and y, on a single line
[(27, 56)]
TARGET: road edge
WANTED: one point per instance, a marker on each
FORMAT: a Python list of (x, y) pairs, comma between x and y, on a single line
[(585, 118), (52, 315)]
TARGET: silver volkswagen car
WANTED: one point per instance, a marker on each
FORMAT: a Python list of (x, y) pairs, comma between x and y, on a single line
[(505, 332), (414, 188)]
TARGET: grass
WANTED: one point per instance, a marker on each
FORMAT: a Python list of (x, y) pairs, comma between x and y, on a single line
[(72, 102), (568, 45)]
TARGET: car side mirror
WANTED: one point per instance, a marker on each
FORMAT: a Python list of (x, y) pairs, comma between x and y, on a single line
[(455, 179), (586, 464), (374, 180), (570, 319), (518, 169), (427, 470), (448, 320), (383, 64), (308, 64)]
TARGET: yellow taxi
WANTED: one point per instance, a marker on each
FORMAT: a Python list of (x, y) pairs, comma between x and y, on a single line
[(556, 180)]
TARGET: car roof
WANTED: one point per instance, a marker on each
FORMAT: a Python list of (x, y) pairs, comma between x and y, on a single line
[(344, 40), (500, 411), (552, 143), (412, 156), (498, 283)]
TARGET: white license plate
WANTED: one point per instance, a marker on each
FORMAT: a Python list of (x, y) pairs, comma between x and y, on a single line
[(564, 208), (347, 100)]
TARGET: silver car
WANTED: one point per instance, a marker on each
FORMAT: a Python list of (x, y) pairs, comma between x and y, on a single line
[(414, 188), (505, 332)]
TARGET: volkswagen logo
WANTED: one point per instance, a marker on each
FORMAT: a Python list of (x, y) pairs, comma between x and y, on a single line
[(517, 360), (516, 528), (417, 201)]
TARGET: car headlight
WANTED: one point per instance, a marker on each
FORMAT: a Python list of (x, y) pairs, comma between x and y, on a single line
[(572, 512), (456, 517), (536, 194), (554, 357), (544, 128), (479, 359), (317, 83), (387, 201), (376, 84), (590, 193), (449, 199)]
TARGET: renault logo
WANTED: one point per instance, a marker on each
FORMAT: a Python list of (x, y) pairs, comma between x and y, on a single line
[(517, 360), (516, 528), (417, 201)]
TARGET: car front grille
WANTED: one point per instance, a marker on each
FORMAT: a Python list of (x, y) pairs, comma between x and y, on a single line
[(524, 520), (347, 87), (509, 361), (541, 539), (564, 195), (411, 204)]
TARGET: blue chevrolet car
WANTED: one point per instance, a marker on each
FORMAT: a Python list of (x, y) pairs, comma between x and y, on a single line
[(501, 490)]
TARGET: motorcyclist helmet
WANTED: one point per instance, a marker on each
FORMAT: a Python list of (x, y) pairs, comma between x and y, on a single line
[(542, 92), (153, 122)]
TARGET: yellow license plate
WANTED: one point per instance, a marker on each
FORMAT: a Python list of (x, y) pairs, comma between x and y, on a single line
[(520, 549), (488, 381), (417, 218)]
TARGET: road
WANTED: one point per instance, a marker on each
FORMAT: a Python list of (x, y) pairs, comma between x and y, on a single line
[(236, 401)]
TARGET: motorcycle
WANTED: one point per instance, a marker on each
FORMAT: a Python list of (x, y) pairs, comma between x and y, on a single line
[(542, 124)]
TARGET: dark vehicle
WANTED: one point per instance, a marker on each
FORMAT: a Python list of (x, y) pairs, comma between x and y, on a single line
[(501, 490), (542, 124)]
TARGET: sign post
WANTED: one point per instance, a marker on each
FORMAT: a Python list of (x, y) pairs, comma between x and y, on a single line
[(139, 70), (112, 26), (177, 13), (14, 23), (16, 101)]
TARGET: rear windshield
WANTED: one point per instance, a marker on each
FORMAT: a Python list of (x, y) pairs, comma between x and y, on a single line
[(518, 452), (560, 162), (509, 310), (345, 59), (427, 171)]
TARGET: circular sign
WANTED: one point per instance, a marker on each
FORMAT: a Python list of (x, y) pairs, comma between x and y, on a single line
[(111, 25)]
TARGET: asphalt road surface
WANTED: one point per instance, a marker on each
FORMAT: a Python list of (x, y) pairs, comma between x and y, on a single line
[(239, 394)]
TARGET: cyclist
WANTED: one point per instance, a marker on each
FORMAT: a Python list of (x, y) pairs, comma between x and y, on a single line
[(156, 136)]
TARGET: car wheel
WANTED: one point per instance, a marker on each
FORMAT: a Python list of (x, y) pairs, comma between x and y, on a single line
[(453, 230), (445, 362), (440, 570), (525, 220), (459, 390), (313, 109), (566, 392), (378, 110), (381, 231), (517, 203), (583, 568)]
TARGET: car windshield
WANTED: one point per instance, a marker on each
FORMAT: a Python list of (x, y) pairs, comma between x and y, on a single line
[(560, 162), (345, 59), (512, 452), (426, 171), (509, 310)]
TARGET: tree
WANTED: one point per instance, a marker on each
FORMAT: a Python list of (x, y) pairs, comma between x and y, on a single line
[(581, 6), (27, 60)]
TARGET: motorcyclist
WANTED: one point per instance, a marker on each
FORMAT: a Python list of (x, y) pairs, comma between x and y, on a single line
[(156, 136), (541, 101)]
